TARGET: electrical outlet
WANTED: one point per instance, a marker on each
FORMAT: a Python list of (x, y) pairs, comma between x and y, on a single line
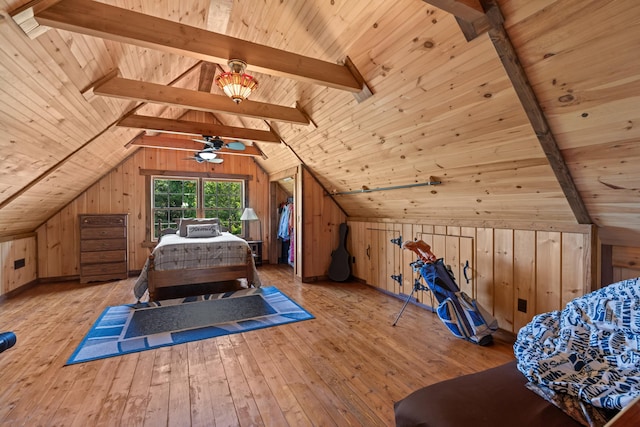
[(522, 305)]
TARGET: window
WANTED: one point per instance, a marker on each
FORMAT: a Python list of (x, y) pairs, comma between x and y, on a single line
[(175, 198), (223, 199)]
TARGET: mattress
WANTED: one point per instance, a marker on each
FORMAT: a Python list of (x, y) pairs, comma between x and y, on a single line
[(175, 253)]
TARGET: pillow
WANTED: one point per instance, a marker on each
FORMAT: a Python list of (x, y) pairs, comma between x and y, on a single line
[(203, 230), (182, 225)]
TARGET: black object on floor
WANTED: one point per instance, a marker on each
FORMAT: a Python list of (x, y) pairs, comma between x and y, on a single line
[(7, 340)]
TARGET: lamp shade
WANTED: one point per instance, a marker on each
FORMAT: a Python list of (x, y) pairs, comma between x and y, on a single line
[(249, 215), (235, 83)]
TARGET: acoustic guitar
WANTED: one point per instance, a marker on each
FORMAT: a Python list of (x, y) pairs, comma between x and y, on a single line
[(340, 268)]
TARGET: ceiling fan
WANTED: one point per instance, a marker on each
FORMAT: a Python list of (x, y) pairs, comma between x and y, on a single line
[(213, 144), (206, 155)]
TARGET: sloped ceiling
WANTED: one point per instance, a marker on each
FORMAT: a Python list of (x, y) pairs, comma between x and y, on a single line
[(442, 107)]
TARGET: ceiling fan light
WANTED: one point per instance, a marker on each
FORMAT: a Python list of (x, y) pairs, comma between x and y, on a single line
[(207, 155), (235, 83)]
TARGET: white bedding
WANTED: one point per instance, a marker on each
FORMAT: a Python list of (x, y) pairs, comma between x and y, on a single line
[(175, 253), (590, 349)]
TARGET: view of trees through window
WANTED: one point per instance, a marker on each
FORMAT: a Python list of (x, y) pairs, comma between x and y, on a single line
[(177, 198), (223, 199)]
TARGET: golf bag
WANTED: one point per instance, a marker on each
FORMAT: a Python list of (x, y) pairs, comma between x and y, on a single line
[(464, 317)]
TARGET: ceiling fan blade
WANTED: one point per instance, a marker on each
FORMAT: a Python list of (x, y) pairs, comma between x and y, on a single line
[(202, 141), (235, 145), (216, 160)]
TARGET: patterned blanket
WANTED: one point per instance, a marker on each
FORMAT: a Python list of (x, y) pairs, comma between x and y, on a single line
[(176, 253), (590, 349)]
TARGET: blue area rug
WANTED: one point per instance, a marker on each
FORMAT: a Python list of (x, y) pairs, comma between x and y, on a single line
[(137, 327)]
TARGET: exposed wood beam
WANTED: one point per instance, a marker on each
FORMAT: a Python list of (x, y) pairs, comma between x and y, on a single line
[(469, 15), (471, 30), (207, 73), (87, 92), (468, 10), (183, 144), (127, 26), (218, 15), (520, 82), (366, 91), (119, 87), (197, 128)]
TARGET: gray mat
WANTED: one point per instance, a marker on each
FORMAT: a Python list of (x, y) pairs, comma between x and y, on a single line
[(195, 315)]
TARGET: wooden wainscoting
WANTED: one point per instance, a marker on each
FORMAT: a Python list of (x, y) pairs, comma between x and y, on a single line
[(18, 264), (514, 274), (346, 367)]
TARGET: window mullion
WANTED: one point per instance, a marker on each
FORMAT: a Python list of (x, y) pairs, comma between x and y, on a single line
[(200, 198)]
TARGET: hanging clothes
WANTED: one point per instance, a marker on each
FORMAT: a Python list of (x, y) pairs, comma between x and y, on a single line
[(286, 231), (283, 227), (292, 249)]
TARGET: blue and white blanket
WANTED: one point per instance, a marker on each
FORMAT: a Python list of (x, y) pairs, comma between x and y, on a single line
[(590, 349)]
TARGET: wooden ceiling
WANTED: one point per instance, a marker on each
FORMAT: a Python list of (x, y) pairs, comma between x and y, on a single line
[(442, 106)]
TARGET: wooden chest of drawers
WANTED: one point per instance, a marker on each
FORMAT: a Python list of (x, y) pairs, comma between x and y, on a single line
[(103, 247)]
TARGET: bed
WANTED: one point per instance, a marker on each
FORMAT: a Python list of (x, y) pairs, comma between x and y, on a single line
[(180, 260), (576, 366)]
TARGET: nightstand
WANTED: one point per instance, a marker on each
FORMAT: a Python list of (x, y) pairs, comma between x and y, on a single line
[(256, 249)]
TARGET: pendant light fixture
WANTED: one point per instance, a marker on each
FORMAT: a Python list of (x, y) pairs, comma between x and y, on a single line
[(236, 83)]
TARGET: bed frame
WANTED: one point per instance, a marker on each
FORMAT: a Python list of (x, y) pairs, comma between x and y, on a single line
[(158, 280)]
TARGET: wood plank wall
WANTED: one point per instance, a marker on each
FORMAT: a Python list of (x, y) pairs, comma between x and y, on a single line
[(123, 190), (544, 268), (626, 262), (11, 278), (320, 220)]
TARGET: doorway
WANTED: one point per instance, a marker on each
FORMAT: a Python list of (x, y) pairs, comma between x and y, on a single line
[(282, 224)]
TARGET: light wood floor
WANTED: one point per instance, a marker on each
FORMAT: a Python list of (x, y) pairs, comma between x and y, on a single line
[(345, 367)]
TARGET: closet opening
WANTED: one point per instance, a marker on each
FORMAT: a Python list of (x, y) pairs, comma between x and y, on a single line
[(283, 222)]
